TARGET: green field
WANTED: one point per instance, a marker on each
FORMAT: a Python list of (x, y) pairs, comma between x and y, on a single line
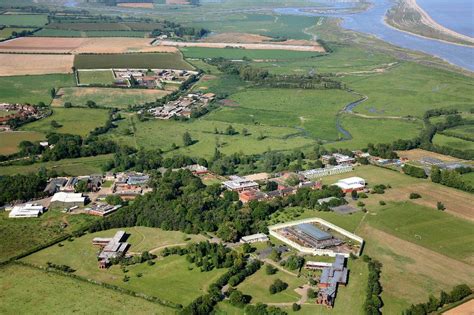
[(34, 20), (453, 142), (7, 31), (396, 91), (427, 227), (47, 32), (73, 167), (234, 53), (29, 285), (182, 284), (9, 141), (98, 77), (21, 235), (107, 97), (32, 88), (469, 178), (461, 131), (313, 112), (78, 121), (139, 60)]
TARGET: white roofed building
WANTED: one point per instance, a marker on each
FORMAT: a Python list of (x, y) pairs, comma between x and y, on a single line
[(26, 211), (259, 237), (64, 199), (351, 184)]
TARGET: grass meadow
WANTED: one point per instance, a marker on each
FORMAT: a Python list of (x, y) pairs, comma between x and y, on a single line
[(19, 236), (107, 97), (461, 131), (452, 142), (72, 167), (235, 53), (9, 141), (32, 88), (182, 281), (139, 60), (30, 285), (7, 31), (33, 20), (102, 77), (79, 121)]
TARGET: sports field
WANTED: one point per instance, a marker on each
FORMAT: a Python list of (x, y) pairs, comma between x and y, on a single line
[(9, 141), (182, 284), (72, 167), (19, 236), (78, 121), (29, 285), (141, 60), (32, 88), (100, 77), (107, 97)]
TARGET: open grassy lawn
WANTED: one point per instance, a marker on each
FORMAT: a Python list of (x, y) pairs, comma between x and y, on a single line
[(223, 84), (34, 20), (139, 60), (257, 286), (162, 134), (19, 235), (235, 53), (29, 285), (432, 229), (72, 167), (79, 121), (103, 77), (453, 142), (107, 97), (32, 88), (182, 284), (412, 89), (9, 141), (311, 111)]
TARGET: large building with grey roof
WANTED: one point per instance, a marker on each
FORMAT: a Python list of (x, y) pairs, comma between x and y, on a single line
[(331, 277)]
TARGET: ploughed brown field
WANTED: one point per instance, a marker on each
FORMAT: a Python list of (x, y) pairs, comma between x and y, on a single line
[(23, 64), (64, 45)]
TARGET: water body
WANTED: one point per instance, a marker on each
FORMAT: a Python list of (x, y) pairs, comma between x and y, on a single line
[(372, 22), (457, 15)]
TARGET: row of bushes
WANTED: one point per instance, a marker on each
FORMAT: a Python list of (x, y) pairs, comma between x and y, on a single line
[(373, 301)]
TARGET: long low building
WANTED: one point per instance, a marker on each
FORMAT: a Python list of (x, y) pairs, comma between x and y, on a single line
[(259, 237), (26, 211), (327, 171), (237, 183)]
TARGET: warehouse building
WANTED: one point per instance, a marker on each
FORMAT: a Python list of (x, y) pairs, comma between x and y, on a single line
[(350, 184), (66, 200), (26, 211)]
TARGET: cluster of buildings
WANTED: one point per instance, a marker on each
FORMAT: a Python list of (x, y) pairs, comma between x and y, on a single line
[(183, 106), (129, 185), (16, 111), (332, 275), (150, 78), (110, 248), (68, 184)]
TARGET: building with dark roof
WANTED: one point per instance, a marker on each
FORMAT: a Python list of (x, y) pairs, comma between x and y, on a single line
[(331, 277)]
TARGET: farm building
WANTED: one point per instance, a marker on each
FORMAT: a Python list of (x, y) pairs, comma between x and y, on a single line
[(327, 171), (26, 211), (101, 209), (239, 184), (259, 237), (55, 185), (66, 200), (351, 184), (331, 277), (111, 248)]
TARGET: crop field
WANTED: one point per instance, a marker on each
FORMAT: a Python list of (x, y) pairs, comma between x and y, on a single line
[(23, 64), (72, 167), (163, 133), (453, 142), (30, 285), (236, 53), (107, 97), (47, 32), (19, 236), (105, 26), (393, 93), (313, 112), (144, 61), (182, 284), (33, 20), (102, 77), (7, 31), (78, 121), (32, 88), (63, 45), (427, 227), (9, 141)]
